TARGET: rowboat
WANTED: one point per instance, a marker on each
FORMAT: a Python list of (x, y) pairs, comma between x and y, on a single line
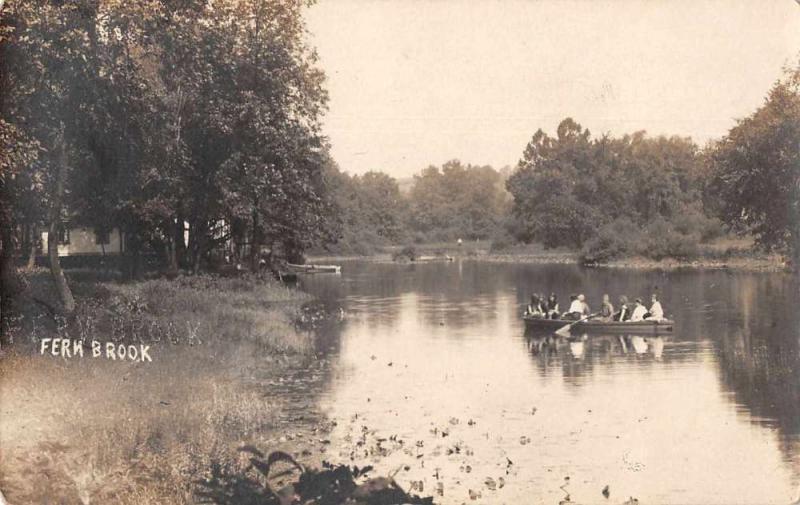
[(315, 269), (541, 325), (433, 259)]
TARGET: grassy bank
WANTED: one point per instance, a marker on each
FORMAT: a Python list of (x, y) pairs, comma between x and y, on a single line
[(92, 429), (734, 253), (723, 253), (206, 308)]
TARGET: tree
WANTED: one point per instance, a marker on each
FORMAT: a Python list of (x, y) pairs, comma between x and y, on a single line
[(551, 188), (49, 96), (569, 188), (249, 146), (367, 211), (757, 169), (210, 115), (155, 113), (456, 201), (380, 205), (16, 153)]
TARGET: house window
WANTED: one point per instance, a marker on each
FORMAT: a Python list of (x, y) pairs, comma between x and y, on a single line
[(101, 237), (63, 235)]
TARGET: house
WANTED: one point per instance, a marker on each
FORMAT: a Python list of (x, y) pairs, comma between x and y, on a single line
[(76, 241)]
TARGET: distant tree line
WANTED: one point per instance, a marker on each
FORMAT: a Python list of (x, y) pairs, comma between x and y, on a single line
[(605, 196), (443, 204)]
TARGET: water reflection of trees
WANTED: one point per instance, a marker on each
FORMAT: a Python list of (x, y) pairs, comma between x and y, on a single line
[(759, 362), (755, 335)]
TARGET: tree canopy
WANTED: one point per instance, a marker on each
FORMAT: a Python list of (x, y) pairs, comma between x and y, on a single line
[(756, 169), (576, 191), (148, 115), (163, 112), (456, 201)]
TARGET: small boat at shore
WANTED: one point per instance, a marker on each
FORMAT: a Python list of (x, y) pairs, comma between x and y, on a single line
[(315, 269), (541, 325), (433, 259)]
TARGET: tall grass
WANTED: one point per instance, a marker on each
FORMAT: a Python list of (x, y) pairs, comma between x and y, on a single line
[(84, 430), (89, 438), (193, 309), (206, 308)]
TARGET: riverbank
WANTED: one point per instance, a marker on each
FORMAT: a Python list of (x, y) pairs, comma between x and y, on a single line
[(727, 254), (84, 420)]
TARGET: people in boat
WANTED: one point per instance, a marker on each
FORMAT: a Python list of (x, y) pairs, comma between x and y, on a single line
[(578, 309), (639, 311), (542, 304), (534, 308), (656, 312), (573, 309), (607, 310), (586, 310), (624, 313), (552, 307)]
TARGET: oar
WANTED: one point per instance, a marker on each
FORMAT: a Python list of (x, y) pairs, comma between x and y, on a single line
[(564, 330)]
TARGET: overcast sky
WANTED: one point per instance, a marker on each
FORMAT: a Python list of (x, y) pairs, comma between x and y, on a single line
[(418, 82)]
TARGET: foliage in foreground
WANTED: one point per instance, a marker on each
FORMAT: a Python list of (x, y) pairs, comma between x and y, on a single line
[(331, 485)]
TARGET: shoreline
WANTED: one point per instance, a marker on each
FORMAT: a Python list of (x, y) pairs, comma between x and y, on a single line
[(756, 263)]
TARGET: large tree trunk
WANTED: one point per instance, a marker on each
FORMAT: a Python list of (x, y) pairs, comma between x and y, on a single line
[(33, 243), (196, 261), (64, 293), (9, 287), (255, 246), (172, 257), (198, 236), (179, 241), (133, 252)]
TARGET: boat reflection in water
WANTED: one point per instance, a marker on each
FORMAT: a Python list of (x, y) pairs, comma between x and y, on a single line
[(578, 346)]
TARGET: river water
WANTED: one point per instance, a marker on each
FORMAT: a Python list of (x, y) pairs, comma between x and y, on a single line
[(432, 376)]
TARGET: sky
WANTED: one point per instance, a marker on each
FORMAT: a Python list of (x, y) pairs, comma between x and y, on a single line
[(418, 82)]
